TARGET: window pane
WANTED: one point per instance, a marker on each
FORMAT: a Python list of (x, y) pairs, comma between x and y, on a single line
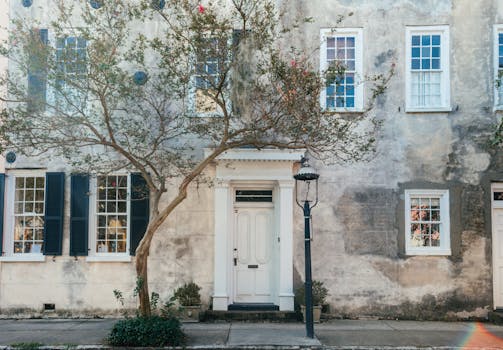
[(425, 64), (415, 40), (425, 40), (435, 64), (416, 52), (330, 42), (435, 39), (350, 41), (415, 64), (435, 52)]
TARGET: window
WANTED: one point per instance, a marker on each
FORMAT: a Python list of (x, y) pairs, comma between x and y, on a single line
[(71, 75), (341, 63), (498, 66), (29, 210), (110, 207), (210, 62), (427, 71), (427, 222)]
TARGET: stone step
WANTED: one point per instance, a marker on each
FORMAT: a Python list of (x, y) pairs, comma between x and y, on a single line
[(251, 316)]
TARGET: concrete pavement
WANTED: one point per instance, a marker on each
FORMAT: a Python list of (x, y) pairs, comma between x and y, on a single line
[(338, 334)]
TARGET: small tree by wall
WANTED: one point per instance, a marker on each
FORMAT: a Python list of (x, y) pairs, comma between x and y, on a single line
[(144, 85)]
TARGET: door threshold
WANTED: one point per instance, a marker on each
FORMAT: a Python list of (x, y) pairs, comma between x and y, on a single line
[(253, 307)]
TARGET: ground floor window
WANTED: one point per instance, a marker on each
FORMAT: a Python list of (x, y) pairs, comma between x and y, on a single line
[(111, 213), (29, 209), (427, 229)]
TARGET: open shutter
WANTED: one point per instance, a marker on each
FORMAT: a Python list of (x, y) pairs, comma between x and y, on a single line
[(37, 71), (54, 212), (140, 210), (2, 194), (79, 215)]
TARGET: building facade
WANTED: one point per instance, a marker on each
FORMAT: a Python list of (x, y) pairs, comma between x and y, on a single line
[(416, 232)]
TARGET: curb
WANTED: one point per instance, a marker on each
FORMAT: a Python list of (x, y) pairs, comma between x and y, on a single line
[(251, 347)]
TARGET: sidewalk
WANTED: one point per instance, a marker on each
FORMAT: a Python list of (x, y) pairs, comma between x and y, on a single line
[(339, 334)]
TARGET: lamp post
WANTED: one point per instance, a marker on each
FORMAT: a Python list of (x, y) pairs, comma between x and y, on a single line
[(306, 174)]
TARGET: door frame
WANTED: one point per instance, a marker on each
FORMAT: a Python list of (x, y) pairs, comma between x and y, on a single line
[(254, 167), (495, 186), (253, 185)]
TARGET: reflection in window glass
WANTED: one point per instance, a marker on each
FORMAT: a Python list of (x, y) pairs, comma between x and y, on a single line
[(112, 220), (425, 222), (29, 209)]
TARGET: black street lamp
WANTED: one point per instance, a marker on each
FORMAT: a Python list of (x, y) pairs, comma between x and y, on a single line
[(306, 174)]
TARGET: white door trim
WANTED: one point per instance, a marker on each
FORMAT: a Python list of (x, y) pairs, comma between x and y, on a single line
[(253, 172), (497, 247)]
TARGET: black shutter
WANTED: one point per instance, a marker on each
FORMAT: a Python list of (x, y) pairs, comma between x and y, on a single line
[(37, 71), (79, 214), (2, 193), (140, 210), (54, 212)]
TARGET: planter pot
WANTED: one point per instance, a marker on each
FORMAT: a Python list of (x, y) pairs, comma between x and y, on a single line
[(316, 313), (190, 313)]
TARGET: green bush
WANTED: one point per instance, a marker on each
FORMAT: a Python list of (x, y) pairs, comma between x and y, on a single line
[(320, 293), (151, 331), (188, 294)]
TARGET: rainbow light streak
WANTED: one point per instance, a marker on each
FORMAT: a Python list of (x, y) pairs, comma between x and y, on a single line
[(479, 337)]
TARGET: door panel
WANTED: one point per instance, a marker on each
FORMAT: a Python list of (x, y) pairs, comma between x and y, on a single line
[(253, 240)]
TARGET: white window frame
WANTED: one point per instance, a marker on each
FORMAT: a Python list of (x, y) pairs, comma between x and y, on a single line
[(326, 33), (445, 85), (51, 93), (497, 29), (445, 236), (94, 255), (9, 222), (192, 103)]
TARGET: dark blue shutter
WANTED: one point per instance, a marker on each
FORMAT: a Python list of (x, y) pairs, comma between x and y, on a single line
[(79, 215), (2, 194), (140, 210), (37, 72), (54, 212)]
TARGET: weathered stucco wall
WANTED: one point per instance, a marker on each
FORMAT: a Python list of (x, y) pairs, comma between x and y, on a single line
[(359, 228), (360, 222)]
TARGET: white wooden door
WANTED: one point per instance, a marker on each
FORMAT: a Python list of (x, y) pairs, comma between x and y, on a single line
[(253, 260), (497, 239)]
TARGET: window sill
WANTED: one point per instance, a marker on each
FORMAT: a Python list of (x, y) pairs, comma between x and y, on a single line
[(431, 252), (28, 258), (498, 108), (429, 110), (120, 258), (344, 110)]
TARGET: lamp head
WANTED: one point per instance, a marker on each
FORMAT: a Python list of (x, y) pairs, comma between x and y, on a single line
[(306, 172)]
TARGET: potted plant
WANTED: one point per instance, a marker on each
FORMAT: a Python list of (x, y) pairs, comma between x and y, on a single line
[(190, 301), (320, 293)]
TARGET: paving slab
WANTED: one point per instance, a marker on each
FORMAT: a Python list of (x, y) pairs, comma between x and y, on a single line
[(242, 334), (201, 334)]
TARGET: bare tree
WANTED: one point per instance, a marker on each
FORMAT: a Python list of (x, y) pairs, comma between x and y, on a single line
[(144, 86)]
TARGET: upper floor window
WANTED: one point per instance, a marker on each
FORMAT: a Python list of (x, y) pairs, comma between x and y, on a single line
[(71, 71), (211, 59), (427, 222), (341, 63), (498, 66), (427, 71)]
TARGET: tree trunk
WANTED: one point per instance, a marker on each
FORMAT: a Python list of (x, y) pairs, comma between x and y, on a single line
[(142, 279)]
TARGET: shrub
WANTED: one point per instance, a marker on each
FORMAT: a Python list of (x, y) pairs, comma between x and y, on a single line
[(188, 294), (150, 331), (320, 293)]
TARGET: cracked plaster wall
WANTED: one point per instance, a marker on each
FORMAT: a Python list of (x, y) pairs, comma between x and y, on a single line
[(359, 229)]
